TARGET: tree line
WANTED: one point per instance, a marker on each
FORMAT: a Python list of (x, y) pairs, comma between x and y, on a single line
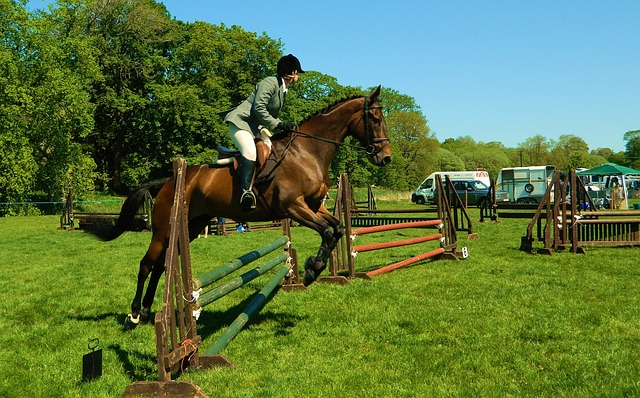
[(103, 94)]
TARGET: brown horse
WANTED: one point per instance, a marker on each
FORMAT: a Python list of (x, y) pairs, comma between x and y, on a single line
[(296, 191)]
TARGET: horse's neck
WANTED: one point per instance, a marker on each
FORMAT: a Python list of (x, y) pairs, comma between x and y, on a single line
[(335, 124), (323, 133), (329, 130)]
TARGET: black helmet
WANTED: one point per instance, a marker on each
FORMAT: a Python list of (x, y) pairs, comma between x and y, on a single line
[(288, 64)]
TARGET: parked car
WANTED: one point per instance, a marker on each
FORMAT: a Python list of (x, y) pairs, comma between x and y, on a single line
[(425, 193), (473, 192)]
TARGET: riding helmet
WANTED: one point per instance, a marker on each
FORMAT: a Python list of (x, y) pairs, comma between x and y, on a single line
[(288, 64)]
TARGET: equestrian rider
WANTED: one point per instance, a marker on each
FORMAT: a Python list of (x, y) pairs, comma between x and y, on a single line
[(257, 116)]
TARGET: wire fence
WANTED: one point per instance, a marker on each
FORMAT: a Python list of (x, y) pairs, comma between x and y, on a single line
[(35, 208)]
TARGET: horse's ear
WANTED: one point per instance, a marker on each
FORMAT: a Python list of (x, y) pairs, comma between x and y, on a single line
[(374, 94)]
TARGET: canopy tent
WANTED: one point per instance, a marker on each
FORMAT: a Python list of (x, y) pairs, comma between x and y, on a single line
[(609, 169), (613, 170)]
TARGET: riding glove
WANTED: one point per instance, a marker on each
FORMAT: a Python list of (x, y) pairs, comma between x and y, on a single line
[(286, 126)]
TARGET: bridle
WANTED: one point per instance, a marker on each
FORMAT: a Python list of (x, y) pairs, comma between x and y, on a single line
[(370, 149)]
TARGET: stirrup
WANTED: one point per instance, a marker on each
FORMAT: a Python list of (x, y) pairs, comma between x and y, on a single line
[(248, 200)]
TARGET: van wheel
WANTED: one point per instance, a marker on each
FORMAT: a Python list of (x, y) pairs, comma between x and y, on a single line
[(527, 201), (420, 200)]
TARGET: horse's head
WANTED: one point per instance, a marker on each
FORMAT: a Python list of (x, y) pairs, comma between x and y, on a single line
[(373, 134)]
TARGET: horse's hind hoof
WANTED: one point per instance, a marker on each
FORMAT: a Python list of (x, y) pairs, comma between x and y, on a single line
[(131, 322), (309, 277), (310, 274)]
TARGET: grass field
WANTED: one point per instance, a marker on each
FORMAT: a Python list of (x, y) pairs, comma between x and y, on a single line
[(500, 323)]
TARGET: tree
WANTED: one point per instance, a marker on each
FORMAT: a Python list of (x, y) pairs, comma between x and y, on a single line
[(17, 164), (569, 152), (414, 149), (632, 148), (448, 161), (534, 151), (45, 108)]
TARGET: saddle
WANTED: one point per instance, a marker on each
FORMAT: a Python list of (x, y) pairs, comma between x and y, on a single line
[(267, 160)]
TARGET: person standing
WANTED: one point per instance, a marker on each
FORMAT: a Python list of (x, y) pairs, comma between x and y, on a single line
[(258, 116)]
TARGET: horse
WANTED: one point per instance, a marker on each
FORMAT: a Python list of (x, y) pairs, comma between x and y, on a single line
[(295, 190)]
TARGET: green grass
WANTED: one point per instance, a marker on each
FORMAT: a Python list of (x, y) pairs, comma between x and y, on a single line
[(500, 323)]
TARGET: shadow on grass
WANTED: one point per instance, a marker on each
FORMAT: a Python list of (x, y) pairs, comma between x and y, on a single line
[(135, 372), (118, 318), (211, 322)]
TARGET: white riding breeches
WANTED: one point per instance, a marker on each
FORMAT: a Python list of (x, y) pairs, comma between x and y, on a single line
[(243, 141)]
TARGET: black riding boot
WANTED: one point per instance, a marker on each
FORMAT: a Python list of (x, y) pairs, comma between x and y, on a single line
[(246, 170)]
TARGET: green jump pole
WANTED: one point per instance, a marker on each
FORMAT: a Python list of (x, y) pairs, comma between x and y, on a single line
[(255, 305), (233, 265), (226, 288)]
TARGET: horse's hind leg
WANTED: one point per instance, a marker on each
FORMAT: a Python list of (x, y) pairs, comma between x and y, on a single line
[(147, 301), (152, 262)]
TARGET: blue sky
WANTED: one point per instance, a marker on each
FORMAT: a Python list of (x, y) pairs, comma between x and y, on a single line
[(493, 70)]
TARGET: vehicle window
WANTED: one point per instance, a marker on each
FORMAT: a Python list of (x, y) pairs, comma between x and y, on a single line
[(536, 175), (427, 184), (478, 185), (459, 185)]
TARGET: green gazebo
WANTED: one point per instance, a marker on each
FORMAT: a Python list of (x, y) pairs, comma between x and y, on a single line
[(617, 178)]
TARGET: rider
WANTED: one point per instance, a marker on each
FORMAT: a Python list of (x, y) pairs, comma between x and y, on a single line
[(258, 116)]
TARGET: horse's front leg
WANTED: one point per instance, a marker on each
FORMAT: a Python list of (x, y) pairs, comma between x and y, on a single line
[(330, 231)]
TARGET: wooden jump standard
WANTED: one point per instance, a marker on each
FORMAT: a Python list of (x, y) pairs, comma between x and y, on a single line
[(177, 341)]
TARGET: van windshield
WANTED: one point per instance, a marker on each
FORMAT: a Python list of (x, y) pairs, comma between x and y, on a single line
[(427, 184)]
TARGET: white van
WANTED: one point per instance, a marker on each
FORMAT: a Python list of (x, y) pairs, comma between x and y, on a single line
[(525, 184), (426, 192)]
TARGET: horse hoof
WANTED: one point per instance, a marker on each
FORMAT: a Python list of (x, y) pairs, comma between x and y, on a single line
[(131, 322), (308, 264), (145, 315), (309, 277)]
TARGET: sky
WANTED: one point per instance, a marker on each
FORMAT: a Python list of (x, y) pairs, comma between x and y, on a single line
[(493, 70)]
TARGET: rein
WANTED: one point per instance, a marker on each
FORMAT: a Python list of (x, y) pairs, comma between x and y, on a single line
[(369, 149)]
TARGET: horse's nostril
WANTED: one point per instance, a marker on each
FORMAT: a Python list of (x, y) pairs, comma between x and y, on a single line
[(386, 160)]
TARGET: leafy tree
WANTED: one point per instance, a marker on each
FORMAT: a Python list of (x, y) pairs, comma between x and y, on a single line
[(45, 109), (219, 67), (534, 151), (314, 92), (569, 152), (592, 160), (632, 148), (490, 156), (619, 158), (448, 161), (486, 157), (413, 149), (17, 164)]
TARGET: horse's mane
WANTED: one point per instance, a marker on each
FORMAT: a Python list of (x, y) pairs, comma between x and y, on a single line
[(331, 106)]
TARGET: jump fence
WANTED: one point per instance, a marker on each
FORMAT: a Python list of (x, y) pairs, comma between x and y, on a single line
[(342, 264), (177, 340), (567, 217)]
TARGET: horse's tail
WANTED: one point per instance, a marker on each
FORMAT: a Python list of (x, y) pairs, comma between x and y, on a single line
[(106, 231)]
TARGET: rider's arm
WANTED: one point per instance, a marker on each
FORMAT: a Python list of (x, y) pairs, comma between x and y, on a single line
[(267, 103)]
